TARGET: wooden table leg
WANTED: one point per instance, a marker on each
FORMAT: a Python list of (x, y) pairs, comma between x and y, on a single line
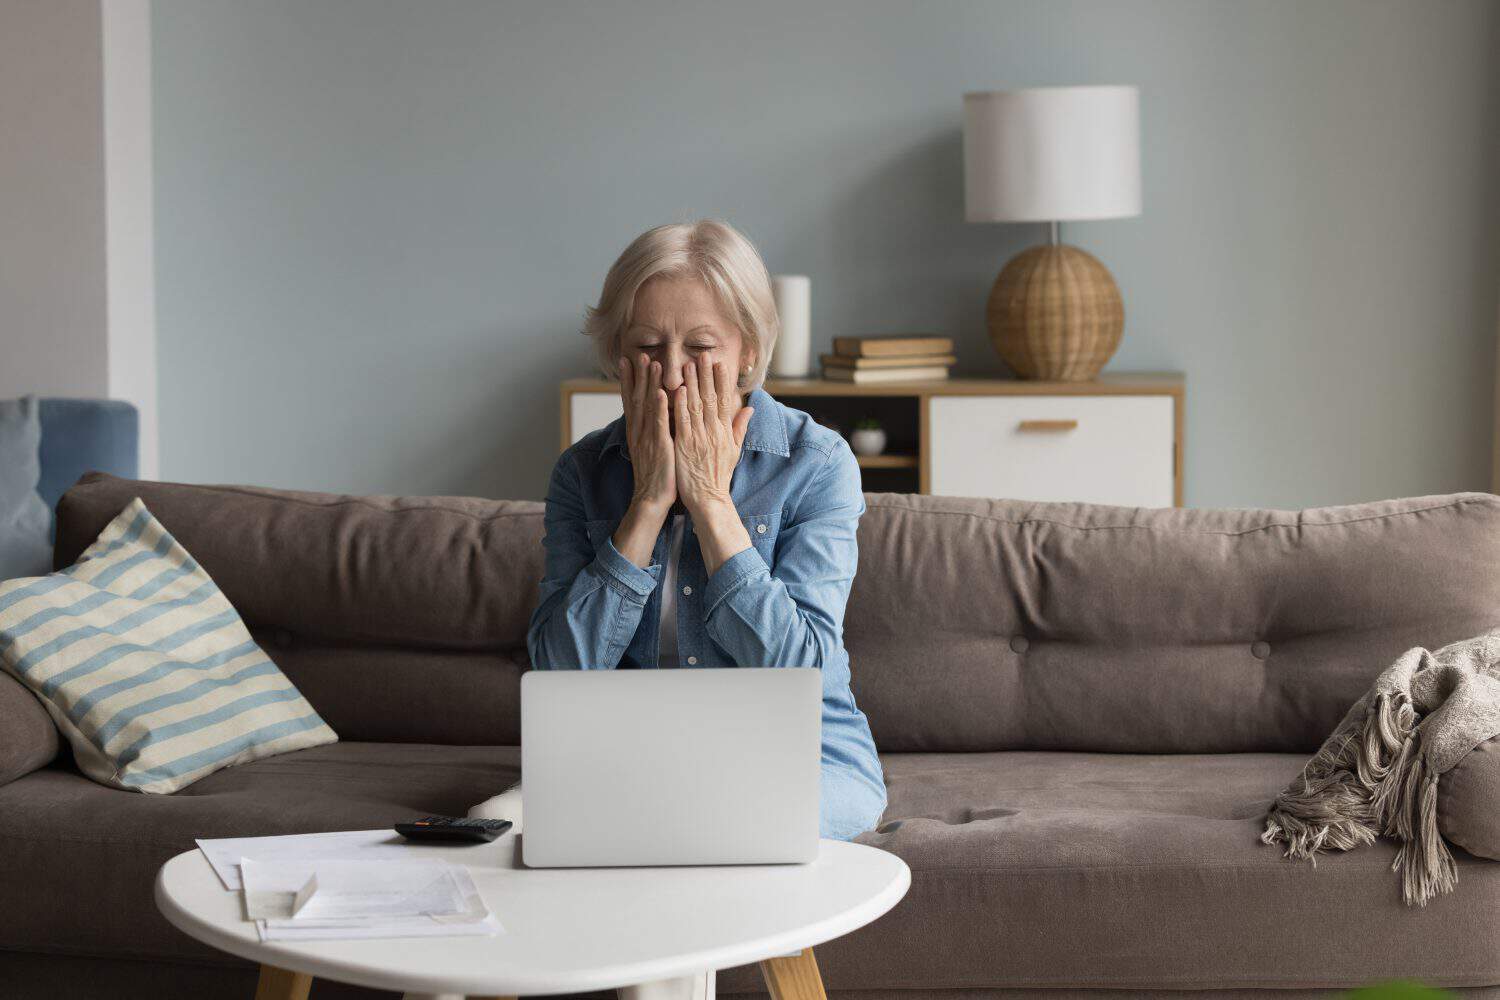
[(794, 978), (279, 984)]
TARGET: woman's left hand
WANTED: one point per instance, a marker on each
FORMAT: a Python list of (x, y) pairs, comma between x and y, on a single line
[(711, 426)]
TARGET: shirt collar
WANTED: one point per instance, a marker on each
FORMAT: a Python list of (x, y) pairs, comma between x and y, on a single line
[(767, 430)]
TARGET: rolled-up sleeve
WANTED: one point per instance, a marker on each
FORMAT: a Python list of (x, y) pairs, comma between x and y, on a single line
[(792, 615), (591, 598)]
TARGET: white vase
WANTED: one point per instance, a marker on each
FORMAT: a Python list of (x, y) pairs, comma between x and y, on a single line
[(867, 441), (792, 355)]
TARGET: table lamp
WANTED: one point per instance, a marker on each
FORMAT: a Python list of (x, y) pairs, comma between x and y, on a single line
[(1053, 154)]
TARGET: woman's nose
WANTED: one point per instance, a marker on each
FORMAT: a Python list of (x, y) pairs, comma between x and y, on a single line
[(671, 370)]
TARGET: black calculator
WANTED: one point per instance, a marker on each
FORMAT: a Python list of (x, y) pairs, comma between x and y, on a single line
[(451, 828)]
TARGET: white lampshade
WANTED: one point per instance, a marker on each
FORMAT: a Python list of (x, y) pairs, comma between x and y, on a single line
[(1048, 154)]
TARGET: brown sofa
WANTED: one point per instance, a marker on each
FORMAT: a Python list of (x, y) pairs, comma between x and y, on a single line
[(1083, 713)]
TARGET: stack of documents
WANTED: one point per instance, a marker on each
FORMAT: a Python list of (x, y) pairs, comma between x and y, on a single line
[(361, 884)]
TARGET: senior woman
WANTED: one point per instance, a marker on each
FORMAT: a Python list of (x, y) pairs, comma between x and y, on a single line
[(709, 526)]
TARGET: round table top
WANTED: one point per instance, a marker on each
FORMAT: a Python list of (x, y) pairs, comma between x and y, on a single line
[(575, 929)]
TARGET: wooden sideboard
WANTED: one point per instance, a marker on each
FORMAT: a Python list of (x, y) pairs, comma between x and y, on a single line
[(1116, 440)]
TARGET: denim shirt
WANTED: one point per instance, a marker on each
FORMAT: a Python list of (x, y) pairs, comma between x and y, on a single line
[(778, 603)]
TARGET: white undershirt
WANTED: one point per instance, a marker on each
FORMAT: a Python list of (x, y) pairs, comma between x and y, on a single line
[(668, 646)]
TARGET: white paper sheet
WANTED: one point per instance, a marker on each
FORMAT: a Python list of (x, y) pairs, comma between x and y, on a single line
[(342, 890), (348, 884), (375, 899), (225, 853)]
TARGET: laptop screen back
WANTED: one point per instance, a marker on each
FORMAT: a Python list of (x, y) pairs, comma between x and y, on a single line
[(670, 767)]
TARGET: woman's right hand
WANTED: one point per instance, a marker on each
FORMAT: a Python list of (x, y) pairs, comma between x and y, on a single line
[(652, 455)]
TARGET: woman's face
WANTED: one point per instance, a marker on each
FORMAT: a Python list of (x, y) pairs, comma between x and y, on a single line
[(676, 320)]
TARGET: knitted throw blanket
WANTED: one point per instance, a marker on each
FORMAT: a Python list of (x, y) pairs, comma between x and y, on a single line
[(1378, 773)]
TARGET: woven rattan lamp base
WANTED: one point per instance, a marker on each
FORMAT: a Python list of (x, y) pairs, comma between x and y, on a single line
[(1055, 313)]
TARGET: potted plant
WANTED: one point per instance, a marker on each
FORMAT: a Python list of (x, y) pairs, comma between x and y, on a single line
[(868, 437)]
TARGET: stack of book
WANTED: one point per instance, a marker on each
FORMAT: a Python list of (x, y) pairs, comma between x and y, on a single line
[(889, 358)]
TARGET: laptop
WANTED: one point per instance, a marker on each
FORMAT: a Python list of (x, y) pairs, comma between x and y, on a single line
[(670, 767)]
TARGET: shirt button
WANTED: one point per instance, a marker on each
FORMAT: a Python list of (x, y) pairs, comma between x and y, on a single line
[(692, 659), (760, 529), (687, 590)]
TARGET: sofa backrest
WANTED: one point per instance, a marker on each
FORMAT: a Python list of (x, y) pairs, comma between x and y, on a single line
[(973, 624), (401, 619), (985, 625)]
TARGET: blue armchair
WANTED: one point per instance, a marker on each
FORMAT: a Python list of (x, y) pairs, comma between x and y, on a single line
[(83, 434)]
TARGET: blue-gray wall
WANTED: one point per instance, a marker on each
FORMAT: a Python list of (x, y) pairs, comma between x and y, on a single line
[(378, 223)]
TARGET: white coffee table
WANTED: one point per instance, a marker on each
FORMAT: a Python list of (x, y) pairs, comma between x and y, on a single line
[(573, 930)]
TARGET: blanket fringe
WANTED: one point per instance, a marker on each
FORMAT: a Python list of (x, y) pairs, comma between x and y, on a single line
[(1331, 806), (1425, 864), (1373, 781), (1394, 797)]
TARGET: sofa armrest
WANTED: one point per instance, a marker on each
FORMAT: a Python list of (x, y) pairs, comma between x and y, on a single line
[(28, 736), (1468, 808)]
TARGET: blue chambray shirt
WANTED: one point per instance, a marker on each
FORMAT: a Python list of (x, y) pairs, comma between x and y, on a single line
[(779, 603)]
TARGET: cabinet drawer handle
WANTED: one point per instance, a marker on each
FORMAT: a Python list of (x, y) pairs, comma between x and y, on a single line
[(1048, 425)]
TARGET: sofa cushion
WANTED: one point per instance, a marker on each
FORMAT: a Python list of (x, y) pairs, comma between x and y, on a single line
[(1077, 870), (438, 572), (28, 737), (86, 855), (145, 667)]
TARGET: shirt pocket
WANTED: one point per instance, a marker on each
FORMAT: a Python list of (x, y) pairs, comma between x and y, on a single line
[(763, 530)]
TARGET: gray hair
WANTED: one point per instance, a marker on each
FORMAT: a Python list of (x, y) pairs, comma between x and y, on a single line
[(715, 253)]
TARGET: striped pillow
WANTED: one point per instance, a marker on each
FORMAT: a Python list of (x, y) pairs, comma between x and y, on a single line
[(145, 666)]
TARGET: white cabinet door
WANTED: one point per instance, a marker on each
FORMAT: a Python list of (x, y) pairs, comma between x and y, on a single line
[(1095, 449), (590, 411)]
